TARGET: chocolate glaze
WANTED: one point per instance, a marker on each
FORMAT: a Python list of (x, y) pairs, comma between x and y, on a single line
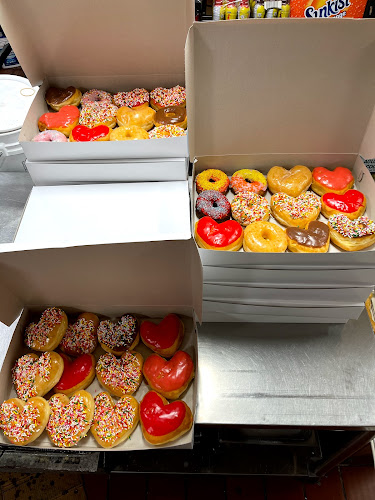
[(172, 115), (315, 236), (57, 96)]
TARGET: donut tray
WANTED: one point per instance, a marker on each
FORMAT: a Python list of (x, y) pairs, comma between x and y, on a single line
[(230, 196), (136, 441)]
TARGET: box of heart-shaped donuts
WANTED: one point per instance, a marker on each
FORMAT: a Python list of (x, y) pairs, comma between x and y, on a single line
[(103, 354), (281, 196), (112, 101)]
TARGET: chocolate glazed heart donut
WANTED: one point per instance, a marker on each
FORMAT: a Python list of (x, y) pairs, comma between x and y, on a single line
[(314, 239), (117, 338)]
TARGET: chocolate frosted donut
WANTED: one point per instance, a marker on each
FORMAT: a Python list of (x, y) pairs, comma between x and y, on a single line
[(172, 115), (119, 337), (57, 98), (214, 205)]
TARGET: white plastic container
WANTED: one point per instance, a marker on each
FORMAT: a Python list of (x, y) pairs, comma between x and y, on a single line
[(16, 96)]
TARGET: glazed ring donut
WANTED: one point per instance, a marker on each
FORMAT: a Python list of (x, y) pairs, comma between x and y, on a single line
[(131, 133), (166, 131), (249, 207), (172, 115), (96, 96), (142, 117), (57, 98), (262, 236), (351, 235), (250, 181), (136, 98), (63, 121), (162, 98), (96, 114), (50, 136), (213, 204), (212, 179), (295, 212)]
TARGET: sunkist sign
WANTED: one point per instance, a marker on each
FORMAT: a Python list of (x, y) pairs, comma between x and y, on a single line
[(327, 8)]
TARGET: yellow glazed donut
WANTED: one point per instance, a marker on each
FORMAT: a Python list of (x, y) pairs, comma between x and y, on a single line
[(250, 181), (292, 182), (142, 117), (128, 133), (262, 236), (212, 179)]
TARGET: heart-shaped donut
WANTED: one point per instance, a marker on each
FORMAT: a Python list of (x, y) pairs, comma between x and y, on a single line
[(57, 98), (114, 422), (141, 117), (120, 376), (161, 421), (212, 235), (162, 97), (336, 181), (119, 337), (64, 120), (35, 376), (292, 182), (23, 422), (81, 337), (81, 133), (78, 374), (70, 419), (352, 235), (352, 204), (46, 335), (313, 239), (163, 338), (295, 212), (169, 378), (134, 99)]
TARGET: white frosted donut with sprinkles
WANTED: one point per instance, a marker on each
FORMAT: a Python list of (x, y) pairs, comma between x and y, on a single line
[(120, 376), (351, 235), (96, 96), (133, 99), (95, 114), (249, 207), (166, 131)]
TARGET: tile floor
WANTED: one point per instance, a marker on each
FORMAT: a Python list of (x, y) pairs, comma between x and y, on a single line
[(352, 481)]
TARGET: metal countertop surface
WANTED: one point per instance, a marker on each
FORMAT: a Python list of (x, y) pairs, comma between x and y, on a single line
[(259, 374)]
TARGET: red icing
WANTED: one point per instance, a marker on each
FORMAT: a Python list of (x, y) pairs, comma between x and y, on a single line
[(163, 335), (81, 133), (75, 371), (337, 179), (349, 202), (159, 419), (168, 375), (218, 234), (63, 118)]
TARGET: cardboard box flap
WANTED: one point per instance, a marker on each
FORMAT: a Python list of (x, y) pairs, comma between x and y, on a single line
[(256, 86), (129, 274), (91, 37)]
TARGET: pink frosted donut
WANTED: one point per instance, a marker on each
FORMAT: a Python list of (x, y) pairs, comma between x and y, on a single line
[(50, 136), (96, 96)]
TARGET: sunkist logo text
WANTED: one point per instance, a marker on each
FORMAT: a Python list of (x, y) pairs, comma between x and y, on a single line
[(331, 8)]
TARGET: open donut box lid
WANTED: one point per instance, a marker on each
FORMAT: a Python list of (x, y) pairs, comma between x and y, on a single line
[(91, 44), (265, 92), (148, 277)]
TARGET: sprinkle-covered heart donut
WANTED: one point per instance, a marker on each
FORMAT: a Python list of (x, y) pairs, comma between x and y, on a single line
[(23, 422), (296, 212), (119, 337), (133, 99), (120, 376), (35, 376), (352, 235), (46, 335), (70, 420), (81, 337), (114, 422), (161, 97)]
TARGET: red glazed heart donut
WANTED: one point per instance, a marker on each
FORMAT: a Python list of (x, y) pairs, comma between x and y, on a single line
[(164, 338)]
